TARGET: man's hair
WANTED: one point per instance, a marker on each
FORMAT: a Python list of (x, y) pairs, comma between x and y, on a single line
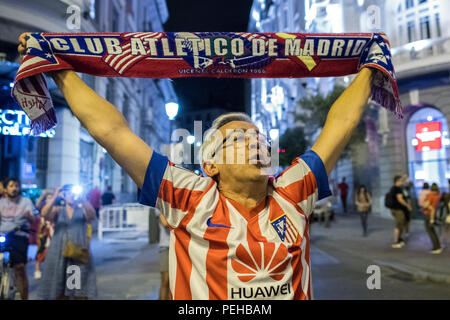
[(426, 186), (8, 180), (435, 188), (397, 178), (209, 144)]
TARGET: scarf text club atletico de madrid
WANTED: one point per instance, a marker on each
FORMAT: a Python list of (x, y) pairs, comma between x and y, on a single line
[(200, 54)]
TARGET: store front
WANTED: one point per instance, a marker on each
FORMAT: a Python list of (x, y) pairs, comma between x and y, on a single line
[(428, 145), (21, 155)]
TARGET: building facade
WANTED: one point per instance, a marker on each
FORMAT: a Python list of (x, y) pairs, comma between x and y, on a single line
[(71, 155), (273, 101), (417, 145)]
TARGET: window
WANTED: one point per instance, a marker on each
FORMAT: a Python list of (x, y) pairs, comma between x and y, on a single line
[(409, 4), (422, 1), (115, 20), (438, 24), (110, 96), (425, 28), (411, 31), (400, 34)]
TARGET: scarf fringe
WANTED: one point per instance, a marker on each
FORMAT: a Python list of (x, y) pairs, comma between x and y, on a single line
[(387, 100), (44, 122)]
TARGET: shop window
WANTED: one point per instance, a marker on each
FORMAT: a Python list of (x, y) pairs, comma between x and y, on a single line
[(428, 145)]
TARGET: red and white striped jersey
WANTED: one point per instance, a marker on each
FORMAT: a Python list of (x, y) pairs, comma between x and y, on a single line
[(220, 249)]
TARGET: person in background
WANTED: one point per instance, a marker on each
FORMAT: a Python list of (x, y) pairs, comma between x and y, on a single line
[(164, 242), (44, 234), (16, 214), (68, 248), (398, 211), (406, 189), (363, 203), (2, 190), (108, 197), (430, 206), (95, 198), (423, 195), (343, 188)]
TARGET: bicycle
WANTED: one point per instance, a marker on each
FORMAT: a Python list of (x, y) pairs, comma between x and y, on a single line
[(7, 284)]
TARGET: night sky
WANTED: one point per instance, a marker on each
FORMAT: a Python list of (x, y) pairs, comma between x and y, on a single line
[(212, 16)]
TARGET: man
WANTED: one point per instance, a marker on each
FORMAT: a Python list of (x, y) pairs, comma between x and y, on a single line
[(235, 234), (406, 189), (343, 188), (399, 207), (108, 197), (95, 199), (16, 214), (2, 190), (164, 244)]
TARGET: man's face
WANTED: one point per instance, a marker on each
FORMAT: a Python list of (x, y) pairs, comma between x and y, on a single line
[(12, 189), (243, 152)]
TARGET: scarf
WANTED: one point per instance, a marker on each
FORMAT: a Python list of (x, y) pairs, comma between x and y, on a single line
[(200, 54)]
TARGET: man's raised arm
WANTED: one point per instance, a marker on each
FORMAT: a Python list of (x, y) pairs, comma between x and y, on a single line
[(103, 121), (342, 120)]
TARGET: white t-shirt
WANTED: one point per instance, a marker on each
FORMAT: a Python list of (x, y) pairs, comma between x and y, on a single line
[(13, 215)]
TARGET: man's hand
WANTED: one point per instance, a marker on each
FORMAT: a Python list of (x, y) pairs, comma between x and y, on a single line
[(342, 120), (102, 120), (22, 47)]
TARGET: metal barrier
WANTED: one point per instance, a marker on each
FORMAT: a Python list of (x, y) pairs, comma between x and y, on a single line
[(123, 217)]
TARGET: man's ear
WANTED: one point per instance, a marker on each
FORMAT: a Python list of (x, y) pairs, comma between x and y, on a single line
[(210, 168)]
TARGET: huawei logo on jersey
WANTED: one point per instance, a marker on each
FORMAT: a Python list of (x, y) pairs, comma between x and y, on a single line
[(261, 259)]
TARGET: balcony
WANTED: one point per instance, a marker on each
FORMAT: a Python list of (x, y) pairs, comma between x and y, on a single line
[(420, 57)]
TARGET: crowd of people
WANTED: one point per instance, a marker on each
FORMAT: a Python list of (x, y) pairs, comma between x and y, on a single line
[(59, 223), (431, 205)]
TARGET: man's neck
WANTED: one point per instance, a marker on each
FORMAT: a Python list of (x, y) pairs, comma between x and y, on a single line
[(13, 199), (249, 194)]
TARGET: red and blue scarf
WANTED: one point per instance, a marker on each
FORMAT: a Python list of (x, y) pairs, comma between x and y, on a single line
[(200, 54)]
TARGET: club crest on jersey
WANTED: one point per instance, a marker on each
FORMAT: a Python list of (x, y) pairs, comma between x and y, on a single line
[(279, 224)]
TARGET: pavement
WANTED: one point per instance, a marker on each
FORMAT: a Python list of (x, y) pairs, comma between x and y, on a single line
[(413, 260)]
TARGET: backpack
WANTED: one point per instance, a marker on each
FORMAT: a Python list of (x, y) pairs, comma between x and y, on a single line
[(389, 200)]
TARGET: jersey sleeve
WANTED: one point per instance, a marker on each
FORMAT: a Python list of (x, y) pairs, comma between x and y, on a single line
[(304, 182), (171, 189)]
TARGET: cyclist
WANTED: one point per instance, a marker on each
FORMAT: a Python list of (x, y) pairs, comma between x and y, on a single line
[(16, 214)]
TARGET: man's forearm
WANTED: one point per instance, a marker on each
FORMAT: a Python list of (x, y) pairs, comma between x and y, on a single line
[(96, 114), (342, 119)]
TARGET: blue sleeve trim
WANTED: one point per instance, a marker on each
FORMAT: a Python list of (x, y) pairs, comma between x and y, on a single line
[(152, 181), (317, 167)]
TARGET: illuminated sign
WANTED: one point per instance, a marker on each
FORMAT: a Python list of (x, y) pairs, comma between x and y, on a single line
[(428, 135), (17, 123)]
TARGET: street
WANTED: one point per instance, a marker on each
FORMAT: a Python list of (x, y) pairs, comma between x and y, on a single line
[(127, 266), (340, 257)]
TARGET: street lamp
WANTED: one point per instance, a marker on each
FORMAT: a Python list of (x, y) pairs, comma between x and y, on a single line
[(171, 111), (190, 139)]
